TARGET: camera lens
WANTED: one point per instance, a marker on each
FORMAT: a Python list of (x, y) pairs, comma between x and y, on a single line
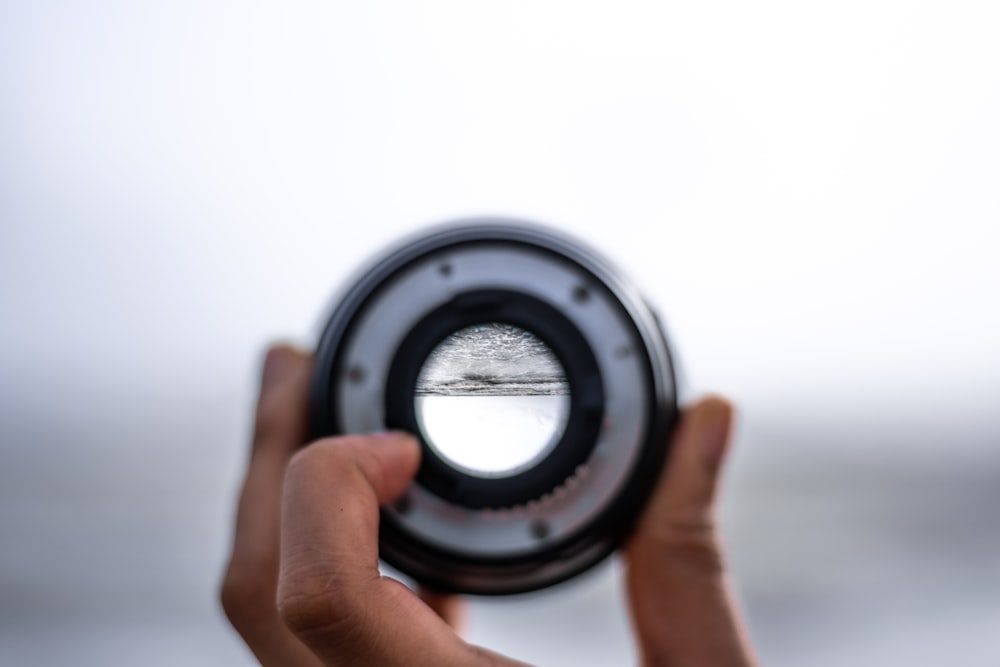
[(538, 383)]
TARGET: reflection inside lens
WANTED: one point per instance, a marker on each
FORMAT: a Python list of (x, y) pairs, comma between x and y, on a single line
[(492, 400)]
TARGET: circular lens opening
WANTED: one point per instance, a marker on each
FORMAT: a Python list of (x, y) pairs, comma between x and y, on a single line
[(492, 400)]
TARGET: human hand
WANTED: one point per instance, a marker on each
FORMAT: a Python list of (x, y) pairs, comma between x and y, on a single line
[(679, 599), (250, 584), (332, 599)]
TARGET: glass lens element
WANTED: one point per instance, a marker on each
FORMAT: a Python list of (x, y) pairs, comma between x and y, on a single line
[(492, 400)]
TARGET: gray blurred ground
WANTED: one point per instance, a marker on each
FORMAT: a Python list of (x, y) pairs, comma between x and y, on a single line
[(851, 542)]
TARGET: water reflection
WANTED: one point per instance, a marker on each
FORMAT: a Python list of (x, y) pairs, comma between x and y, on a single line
[(492, 400)]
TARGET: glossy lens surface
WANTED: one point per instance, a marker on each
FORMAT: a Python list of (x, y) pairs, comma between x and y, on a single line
[(492, 400)]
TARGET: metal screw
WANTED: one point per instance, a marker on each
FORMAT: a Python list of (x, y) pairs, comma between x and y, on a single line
[(540, 529), (403, 504)]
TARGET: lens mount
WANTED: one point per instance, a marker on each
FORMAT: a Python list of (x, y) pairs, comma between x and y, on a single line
[(460, 532)]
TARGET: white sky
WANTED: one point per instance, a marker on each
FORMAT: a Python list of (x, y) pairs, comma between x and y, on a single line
[(807, 192)]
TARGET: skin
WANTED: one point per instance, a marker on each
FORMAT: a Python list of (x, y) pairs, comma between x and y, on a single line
[(303, 589)]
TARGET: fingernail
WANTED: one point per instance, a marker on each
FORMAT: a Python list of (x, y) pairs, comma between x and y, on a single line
[(276, 365)]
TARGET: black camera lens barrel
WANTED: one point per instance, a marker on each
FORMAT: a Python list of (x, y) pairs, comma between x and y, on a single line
[(464, 533)]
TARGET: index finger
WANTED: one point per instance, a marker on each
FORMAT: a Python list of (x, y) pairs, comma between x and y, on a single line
[(251, 578), (330, 592), (333, 490)]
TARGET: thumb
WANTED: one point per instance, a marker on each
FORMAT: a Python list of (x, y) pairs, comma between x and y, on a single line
[(679, 518), (681, 606), (699, 449)]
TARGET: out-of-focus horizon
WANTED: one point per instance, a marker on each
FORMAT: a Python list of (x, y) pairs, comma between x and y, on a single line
[(806, 193)]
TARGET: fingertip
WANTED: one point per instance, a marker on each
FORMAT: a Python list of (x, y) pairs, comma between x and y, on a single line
[(697, 451), (715, 404), (397, 450), (711, 410), (679, 517), (388, 460), (281, 416), (280, 361)]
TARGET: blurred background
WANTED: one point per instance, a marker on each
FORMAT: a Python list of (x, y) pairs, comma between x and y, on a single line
[(808, 192)]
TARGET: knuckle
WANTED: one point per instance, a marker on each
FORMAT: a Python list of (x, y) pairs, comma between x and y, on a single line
[(310, 614), (246, 597), (702, 556), (334, 455), (690, 542), (309, 605), (318, 455), (301, 460)]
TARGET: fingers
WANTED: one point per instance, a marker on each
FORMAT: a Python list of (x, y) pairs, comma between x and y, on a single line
[(280, 427), (330, 592), (331, 569), (281, 424), (681, 509), (249, 585), (334, 489), (682, 610)]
